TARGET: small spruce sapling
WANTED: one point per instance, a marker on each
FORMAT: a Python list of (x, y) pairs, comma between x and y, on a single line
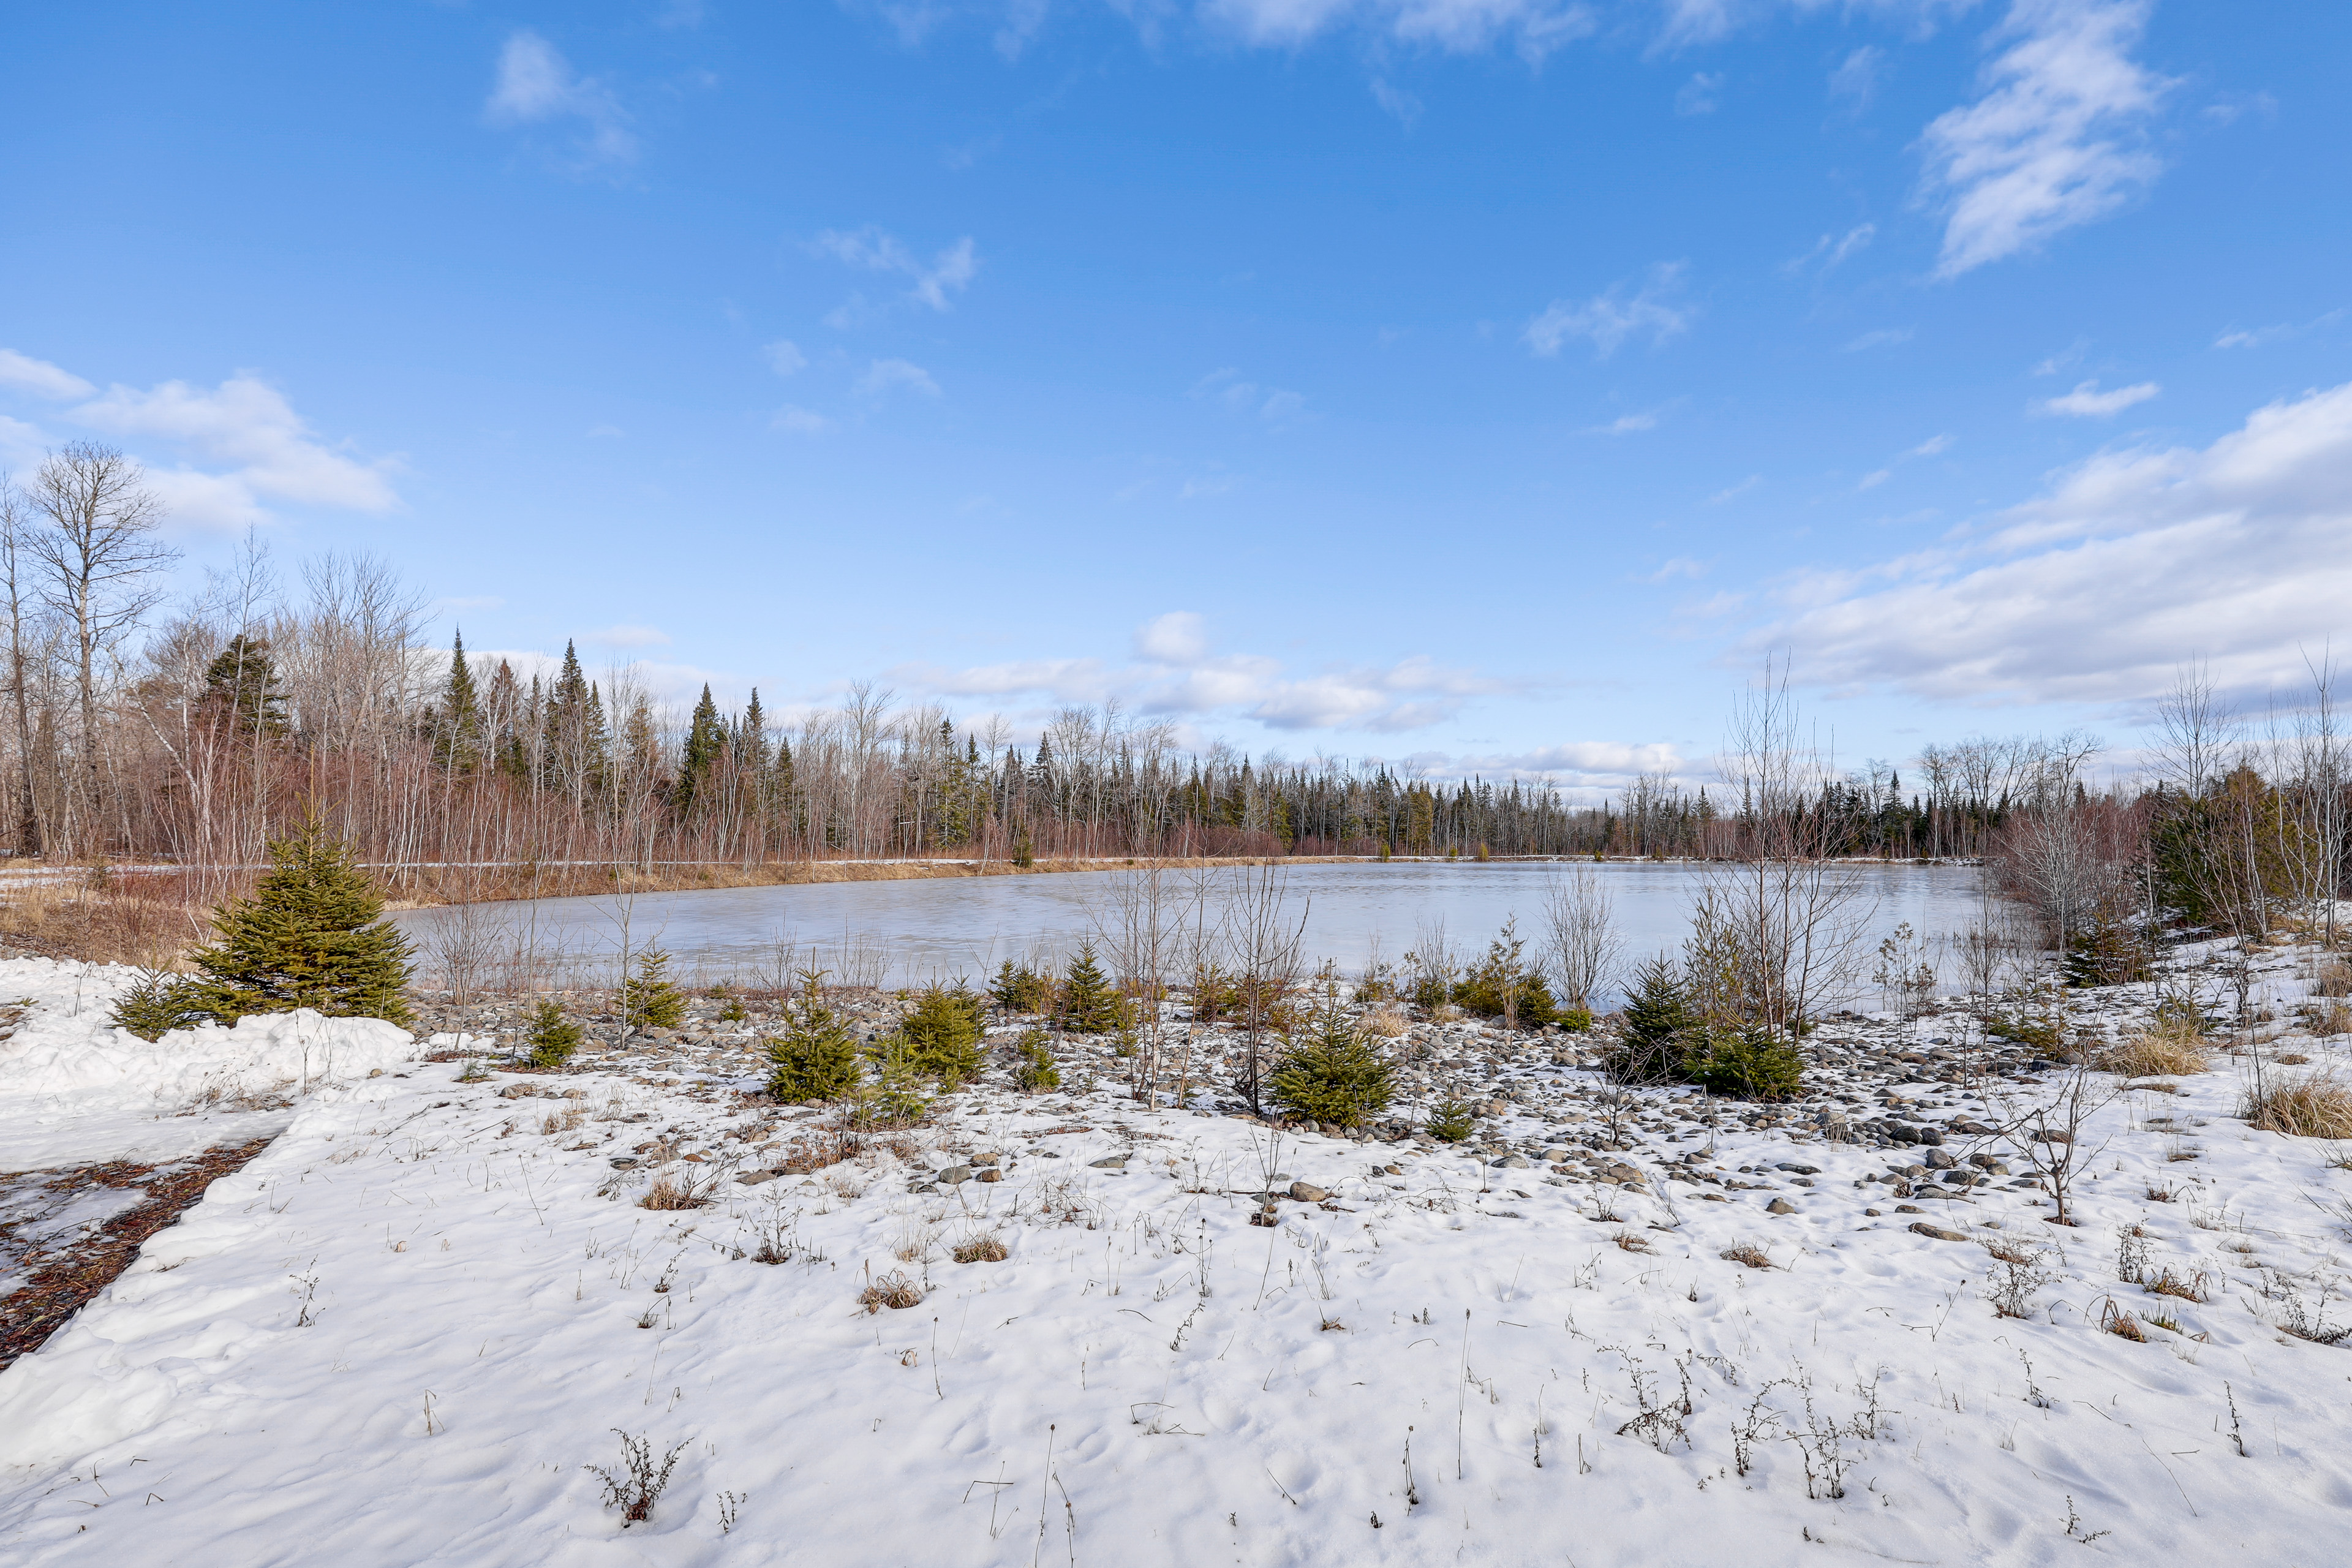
[(1650, 1043), (310, 935), (1088, 1004), (1450, 1121), (649, 999), (943, 1035), (1335, 1075), (815, 1059), (1034, 1069), (552, 1037)]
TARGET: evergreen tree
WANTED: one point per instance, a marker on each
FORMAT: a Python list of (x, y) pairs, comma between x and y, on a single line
[(1658, 1020), (649, 999), (457, 741), (1335, 1075), (944, 1033), (311, 935), (816, 1058), (705, 738), (1088, 1004), (552, 1038), (242, 682)]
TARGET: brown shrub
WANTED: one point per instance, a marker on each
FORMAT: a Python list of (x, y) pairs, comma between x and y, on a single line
[(2316, 1105), (2159, 1053), (893, 1290), (980, 1249)]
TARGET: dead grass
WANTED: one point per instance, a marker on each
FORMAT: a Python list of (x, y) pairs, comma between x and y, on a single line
[(980, 1249), (2335, 1018), (2316, 1105), (2167, 1283), (668, 1192), (132, 918), (2334, 979), (2171, 1047), (1748, 1254), (2121, 1324), (893, 1290), (1632, 1240), (1386, 1023)]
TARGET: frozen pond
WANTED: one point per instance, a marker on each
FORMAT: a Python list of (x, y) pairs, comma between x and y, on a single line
[(910, 931)]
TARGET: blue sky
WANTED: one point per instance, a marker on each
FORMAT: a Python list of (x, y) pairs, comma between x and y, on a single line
[(1490, 383)]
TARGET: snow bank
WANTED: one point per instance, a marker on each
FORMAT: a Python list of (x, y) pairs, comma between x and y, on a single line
[(74, 1087)]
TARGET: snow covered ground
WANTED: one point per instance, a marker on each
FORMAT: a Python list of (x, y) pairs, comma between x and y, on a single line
[(405, 1333)]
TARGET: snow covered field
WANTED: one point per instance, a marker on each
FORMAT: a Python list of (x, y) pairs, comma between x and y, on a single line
[(404, 1333)]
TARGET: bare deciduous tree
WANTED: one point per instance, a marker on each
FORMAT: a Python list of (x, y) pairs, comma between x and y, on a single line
[(102, 566), (1580, 936)]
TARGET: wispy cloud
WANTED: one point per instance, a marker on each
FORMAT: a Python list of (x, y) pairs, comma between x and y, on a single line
[(1734, 491), (2087, 402), (933, 283), (794, 420), (785, 357), (1610, 318), (1926, 448), (1857, 77), (1831, 249), (260, 449), (1697, 96), (1176, 671), (2057, 140), (2087, 592), (41, 378), (1534, 29), (1883, 337), (2257, 337), (1394, 100), (629, 635), (1230, 391), (536, 84), (1633, 424), (1679, 566), (885, 377)]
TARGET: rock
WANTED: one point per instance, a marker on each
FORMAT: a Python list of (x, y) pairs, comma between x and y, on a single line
[(1114, 1162), (1931, 1135), (753, 1178), (1872, 1213), (623, 1161), (953, 1174), (988, 1173), (1921, 1228), (375, 1072), (1936, 1159), (1779, 1205), (1308, 1193), (1799, 1170), (1512, 1162), (990, 1159)]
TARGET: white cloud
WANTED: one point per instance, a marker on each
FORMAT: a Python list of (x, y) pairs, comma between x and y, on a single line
[(785, 357), (2131, 563), (885, 377), (1680, 566), (1857, 77), (40, 377), (1627, 423), (246, 423), (1697, 96), (2072, 354), (630, 635), (2242, 338), (1608, 319), (1591, 763), (1176, 673), (536, 83), (1831, 249), (1271, 404), (1534, 27), (1395, 100), (1176, 637), (1883, 337), (2087, 402), (2055, 142), (1741, 488), (799, 421), (950, 271)]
